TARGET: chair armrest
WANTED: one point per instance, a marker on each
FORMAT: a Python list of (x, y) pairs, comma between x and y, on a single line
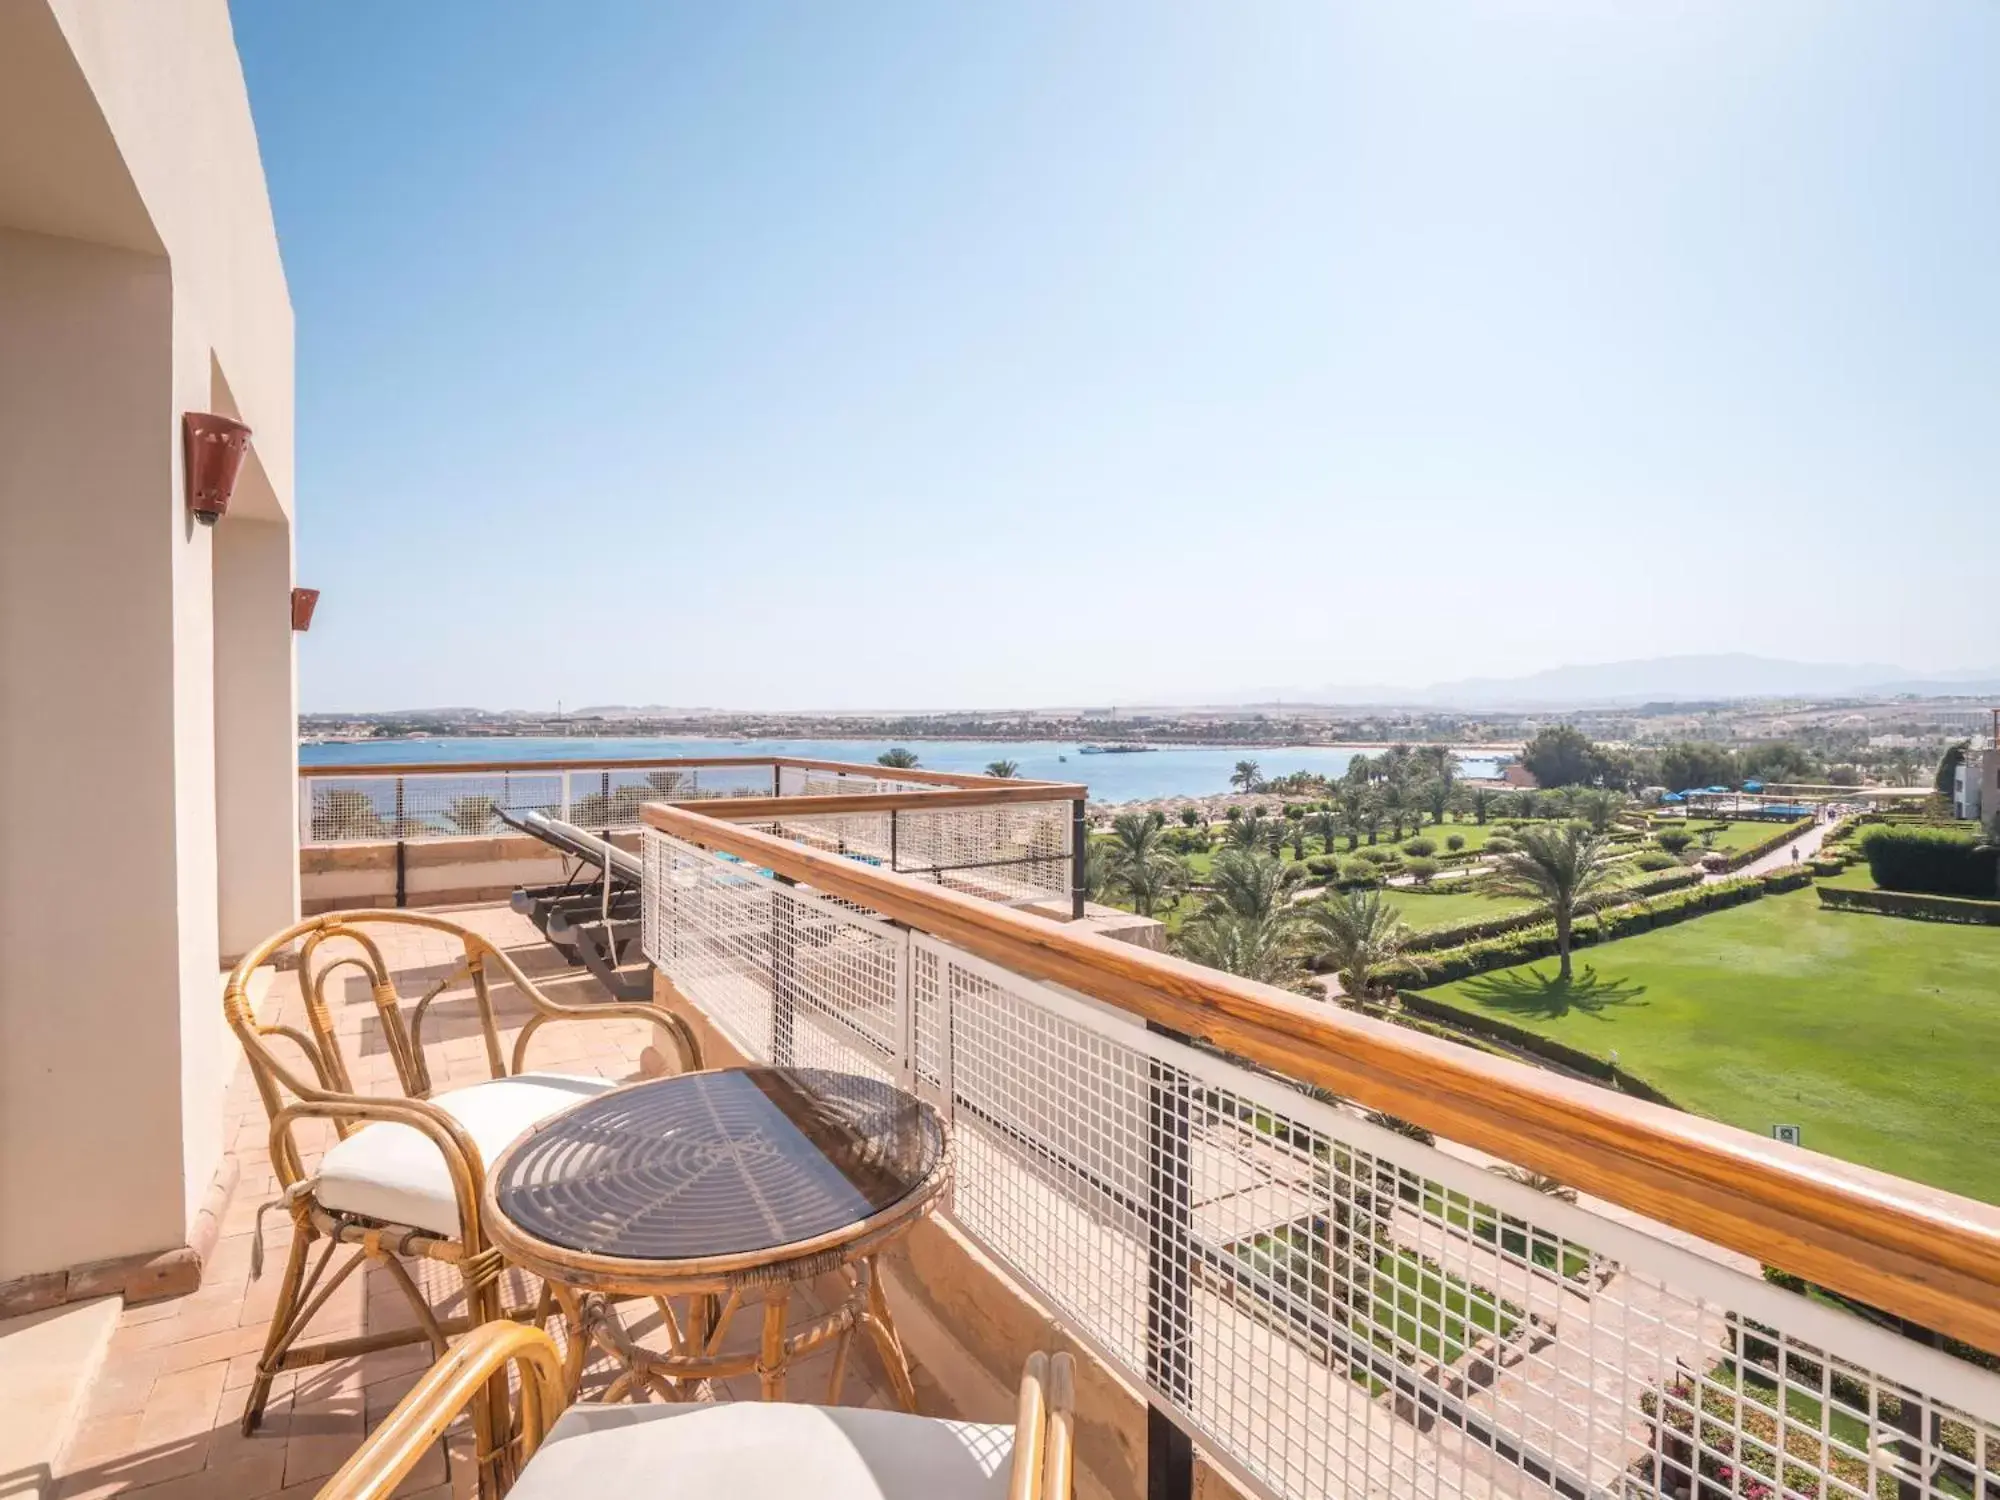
[(676, 1030), (454, 1143), (447, 1389), (1031, 1430), (1059, 1468)]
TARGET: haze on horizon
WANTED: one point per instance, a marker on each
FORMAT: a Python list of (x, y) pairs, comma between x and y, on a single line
[(783, 357)]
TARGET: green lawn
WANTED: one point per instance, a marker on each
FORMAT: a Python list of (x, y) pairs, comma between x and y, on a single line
[(1424, 912), (1875, 1034), (1734, 836)]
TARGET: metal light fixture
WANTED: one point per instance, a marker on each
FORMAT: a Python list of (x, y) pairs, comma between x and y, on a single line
[(215, 447), (304, 602)]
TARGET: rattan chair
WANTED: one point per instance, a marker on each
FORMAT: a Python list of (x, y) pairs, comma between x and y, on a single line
[(718, 1450), (404, 1173)]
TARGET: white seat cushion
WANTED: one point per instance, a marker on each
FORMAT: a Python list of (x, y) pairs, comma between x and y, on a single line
[(396, 1174), (747, 1450)]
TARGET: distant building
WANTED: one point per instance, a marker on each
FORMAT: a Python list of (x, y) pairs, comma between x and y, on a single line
[(1975, 786)]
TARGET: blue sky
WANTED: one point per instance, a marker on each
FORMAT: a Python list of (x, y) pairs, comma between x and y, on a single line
[(929, 355)]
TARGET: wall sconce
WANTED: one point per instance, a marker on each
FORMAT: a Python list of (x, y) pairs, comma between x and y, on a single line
[(304, 602), (215, 447)]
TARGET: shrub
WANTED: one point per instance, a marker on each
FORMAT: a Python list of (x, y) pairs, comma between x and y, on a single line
[(1326, 866), (1932, 861), (1673, 840), (1655, 859), (1359, 872), (1501, 844), (1455, 842), (1425, 870), (1190, 817), (1912, 904), (1422, 848), (1378, 856)]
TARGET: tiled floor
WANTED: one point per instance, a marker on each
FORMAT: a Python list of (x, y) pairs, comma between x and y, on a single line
[(162, 1419)]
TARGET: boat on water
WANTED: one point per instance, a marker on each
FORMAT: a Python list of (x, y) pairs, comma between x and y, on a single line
[(1115, 749)]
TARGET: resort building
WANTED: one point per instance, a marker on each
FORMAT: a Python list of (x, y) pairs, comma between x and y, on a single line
[(1276, 1249)]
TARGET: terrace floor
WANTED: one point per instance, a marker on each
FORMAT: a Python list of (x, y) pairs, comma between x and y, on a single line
[(161, 1419)]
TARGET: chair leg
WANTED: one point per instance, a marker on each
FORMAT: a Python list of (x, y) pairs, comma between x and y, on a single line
[(281, 1331)]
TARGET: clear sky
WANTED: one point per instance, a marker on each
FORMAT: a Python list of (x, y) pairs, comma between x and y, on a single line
[(859, 355)]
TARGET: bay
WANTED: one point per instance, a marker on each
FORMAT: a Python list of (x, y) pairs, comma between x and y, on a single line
[(1169, 771)]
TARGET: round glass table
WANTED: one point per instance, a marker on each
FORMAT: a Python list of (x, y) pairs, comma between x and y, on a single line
[(724, 1189)]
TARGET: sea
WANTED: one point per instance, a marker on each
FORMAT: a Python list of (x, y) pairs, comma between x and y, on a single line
[(1168, 771)]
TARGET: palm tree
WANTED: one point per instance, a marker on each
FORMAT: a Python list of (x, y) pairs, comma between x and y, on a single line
[(1436, 794), (1249, 883), (1251, 831), (1152, 882), (1482, 803), (1562, 865), (1004, 769), (898, 758), (1140, 864), (471, 814), (1096, 870), (1326, 827), (1259, 948), (1396, 806), (1247, 775), (1599, 808), (1358, 934), (344, 813), (1353, 806)]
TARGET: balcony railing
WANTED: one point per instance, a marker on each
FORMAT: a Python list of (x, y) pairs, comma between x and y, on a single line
[(1186, 1167), (357, 804)]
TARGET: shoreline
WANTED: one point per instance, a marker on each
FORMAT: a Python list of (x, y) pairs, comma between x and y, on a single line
[(1472, 750)]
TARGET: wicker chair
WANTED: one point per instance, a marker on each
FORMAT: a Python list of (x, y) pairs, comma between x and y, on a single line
[(718, 1451), (404, 1173)]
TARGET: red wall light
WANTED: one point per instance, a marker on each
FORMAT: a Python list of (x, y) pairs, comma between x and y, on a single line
[(215, 448), (304, 602)]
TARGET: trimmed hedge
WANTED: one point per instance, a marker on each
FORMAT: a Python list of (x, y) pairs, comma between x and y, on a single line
[(1539, 940), (1460, 933), (1933, 861), (1451, 1018), (1912, 904)]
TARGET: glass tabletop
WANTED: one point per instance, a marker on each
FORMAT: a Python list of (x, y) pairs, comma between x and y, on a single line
[(720, 1164)]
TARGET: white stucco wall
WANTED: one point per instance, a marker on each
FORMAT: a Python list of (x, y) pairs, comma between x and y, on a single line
[(139, 278)]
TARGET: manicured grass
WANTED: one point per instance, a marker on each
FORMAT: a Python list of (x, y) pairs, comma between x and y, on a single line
[(1738, 835), (1443, 910), (1412, 1304), (1874, 1033)]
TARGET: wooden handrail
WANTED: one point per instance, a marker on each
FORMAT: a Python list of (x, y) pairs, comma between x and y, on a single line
[(1921, 1253), (689, 762)]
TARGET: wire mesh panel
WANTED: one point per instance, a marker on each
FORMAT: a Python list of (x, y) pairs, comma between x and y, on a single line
[(1012, 852), (815, 781), (1331, 1302), (792, 978), (418, 805), (347, 809)]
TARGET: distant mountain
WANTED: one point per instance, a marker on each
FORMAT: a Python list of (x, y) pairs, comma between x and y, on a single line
[(1673, 679)]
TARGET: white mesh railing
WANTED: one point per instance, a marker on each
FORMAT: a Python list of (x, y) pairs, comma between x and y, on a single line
[(1009, 852), (414, 805), (1330, 1306)]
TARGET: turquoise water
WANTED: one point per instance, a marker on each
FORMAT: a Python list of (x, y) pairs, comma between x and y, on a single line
[(1171, 771)]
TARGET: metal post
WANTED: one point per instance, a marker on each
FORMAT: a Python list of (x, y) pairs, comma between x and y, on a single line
[(892, 838), (402, 886), (1169, 1266), (777, 780), (784, 972), (1079, 853)]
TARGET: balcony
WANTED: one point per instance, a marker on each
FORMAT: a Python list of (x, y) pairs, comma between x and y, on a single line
[(1298, 1252)]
